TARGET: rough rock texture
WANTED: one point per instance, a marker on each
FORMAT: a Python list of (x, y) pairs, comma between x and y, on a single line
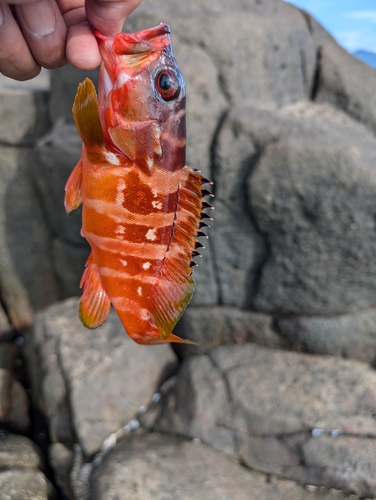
[(350, 335), (347, 84), (225, 325), (164, 467), (24, 484), (14, 406), (18, 451), (90, 383), (304, 417), (20, 478), (24, 111), (26, 271), (283, 120)]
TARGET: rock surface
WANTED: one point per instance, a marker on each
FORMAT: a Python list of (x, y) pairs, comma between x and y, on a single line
[(20, 478), (24, 484), (164, 467), (267, 408), (91, 382), (14, 405), (18, 451)]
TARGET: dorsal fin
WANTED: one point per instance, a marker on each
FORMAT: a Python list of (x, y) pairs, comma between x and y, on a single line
[(171, 296), (86, 115)]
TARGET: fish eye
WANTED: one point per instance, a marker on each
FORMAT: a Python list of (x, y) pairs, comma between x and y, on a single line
[(167, 84)]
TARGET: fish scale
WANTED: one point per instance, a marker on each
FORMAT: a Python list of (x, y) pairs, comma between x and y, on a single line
[(142, 207)]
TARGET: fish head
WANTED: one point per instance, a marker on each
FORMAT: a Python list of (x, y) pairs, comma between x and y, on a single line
[(142, 98)]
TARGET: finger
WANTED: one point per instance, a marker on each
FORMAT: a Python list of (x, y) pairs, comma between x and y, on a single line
[(16, 60), (82, 48), (45, 32), (108, 16)]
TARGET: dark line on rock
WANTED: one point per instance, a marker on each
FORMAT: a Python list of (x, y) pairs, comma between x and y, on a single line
[(213, 168), (317, 75), (259, 267), (235, 437)]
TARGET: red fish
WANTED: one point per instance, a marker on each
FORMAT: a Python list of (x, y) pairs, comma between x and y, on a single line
[(142, 207)]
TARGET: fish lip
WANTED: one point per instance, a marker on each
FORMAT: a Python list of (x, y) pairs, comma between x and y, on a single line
[(143, 41)]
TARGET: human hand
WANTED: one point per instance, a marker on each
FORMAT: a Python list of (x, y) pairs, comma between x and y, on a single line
[(49, 33)]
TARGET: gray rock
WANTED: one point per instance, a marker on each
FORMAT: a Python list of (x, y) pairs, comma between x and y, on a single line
[(307, 211), (103, 374), (24, 115), (5, 326), (312, 198), (19, 451), (26, 276), (56, 156), (61, 459), (14, 405), (225, 325), (350, 335), (24, 484), (8, 353), (64, 83), (266, 406), (18, 416), (69, 261), (206, 288), (163, 467), (271, 65), (346, 83)]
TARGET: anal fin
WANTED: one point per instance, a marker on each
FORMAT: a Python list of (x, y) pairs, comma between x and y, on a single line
[(73, 189), (94, 305)]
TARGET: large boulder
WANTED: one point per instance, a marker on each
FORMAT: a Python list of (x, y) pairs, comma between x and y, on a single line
[(307, 418), (143, 467), (91, 382)]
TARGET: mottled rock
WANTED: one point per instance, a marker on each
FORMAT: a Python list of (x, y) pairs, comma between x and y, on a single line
[(164, 467), (206, 288), (5, 326), (99, 376), (266, 406), (24, 110), (225, 325), (14, 405), (307, 210), (312, 198), (18, 451), (64, 83), (69, 261), (18, 416), (349, 335), (8, 353), (26, 275), (346, 83), (61, 459), (24, 484), (56, 156)]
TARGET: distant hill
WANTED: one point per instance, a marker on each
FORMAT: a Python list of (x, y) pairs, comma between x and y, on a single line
[(367, 57)]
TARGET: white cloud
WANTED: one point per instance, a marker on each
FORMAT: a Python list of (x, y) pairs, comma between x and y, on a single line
[(363, 15), (356, 40)]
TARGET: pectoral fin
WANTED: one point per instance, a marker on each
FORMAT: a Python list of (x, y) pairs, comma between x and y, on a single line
[(140, 142), (73, 189), (94, 305)]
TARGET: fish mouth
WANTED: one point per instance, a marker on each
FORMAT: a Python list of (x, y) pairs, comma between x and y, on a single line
[(148, 40)]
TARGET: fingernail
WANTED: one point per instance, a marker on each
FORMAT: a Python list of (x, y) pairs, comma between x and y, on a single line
[(40, 18)]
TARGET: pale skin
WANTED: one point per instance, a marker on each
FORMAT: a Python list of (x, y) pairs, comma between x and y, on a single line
[(50, 33)]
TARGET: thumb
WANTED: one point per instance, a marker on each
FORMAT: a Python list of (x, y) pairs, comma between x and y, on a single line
[(108, 16)]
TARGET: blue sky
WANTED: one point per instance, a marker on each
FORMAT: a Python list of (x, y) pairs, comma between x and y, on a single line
[(351, 22)]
